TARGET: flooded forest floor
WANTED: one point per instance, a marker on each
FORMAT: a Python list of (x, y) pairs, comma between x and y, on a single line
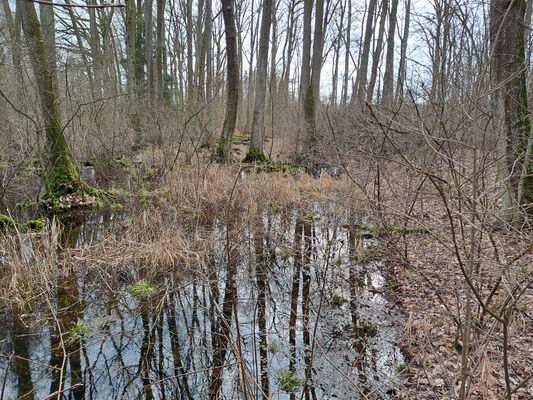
[(227, 282)]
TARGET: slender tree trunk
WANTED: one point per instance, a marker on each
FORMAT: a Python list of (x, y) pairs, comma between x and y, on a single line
[(403, 53), (226, 138), (305, 75), (60, 176), (388, 77), (159, 48), (376, 57), (255, 152), (510, 110), (361, 79), (289, 44), (312, 97), (347, 55), (140, 59), (273, 55), (249, 96), (190, 75), (94, 42), (130, 45), (148, 14), (209, 67), (14, 34)]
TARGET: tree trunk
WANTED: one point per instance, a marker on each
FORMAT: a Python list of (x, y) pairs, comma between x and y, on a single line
[(60, 175), (289, 43), (255, 152), (305, 75), (377, 52), (148, 14), (249, 96), (388, 78), (48, 29), (273, 55), (190, 75), (226, 138), (209, 66), (511, 119), (130, 45), (159, 76), (361, 79), (14, 34), (139, 48), (94, 42), (313, 91), (347, 55), (403, 53)]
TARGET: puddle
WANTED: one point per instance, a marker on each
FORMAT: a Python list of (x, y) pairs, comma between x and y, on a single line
[(296, 313)]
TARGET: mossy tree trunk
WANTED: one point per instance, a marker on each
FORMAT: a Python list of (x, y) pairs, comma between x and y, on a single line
[(312, 96), (511, 120), (232, 92), (255, 152), (60, 174)]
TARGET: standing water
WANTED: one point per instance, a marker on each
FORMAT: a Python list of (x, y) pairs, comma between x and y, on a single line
[(287, 307)]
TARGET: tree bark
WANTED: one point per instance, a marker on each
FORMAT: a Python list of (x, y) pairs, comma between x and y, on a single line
[(159, 48), (388, 78), (377, 52), (130, 45), (48, 29), (255, 152), (347, 55), (305, 75), (148, 14), (232, 95), (361, 79), (60, 174), (403, 53), (511, 120)]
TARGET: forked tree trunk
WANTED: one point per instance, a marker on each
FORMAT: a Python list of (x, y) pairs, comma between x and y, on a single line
[(232, 92), (60, 174), (255, 152), (511, 120)]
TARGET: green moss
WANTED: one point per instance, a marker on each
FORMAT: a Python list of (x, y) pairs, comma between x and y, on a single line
[(34, 225), (7, 222), (255, 156)]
